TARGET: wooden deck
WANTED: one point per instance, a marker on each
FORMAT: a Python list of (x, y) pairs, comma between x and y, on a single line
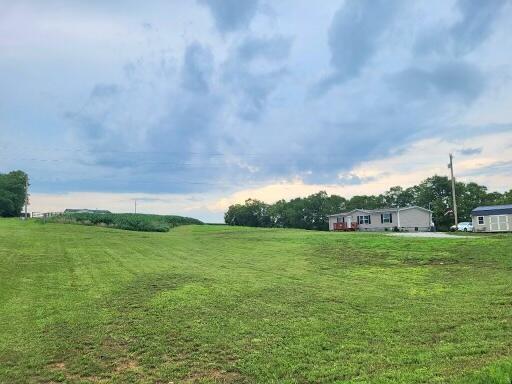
[(344, 227)]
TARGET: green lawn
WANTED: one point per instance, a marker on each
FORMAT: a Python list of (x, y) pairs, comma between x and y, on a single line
[(219, 304)]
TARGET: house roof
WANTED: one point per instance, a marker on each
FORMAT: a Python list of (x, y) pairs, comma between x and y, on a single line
[(492, 210), (380, 210)]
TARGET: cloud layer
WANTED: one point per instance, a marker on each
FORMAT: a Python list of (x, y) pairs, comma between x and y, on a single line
[(216, 97)]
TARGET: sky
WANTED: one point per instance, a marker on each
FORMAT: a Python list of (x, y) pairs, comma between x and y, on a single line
[(190, 106)]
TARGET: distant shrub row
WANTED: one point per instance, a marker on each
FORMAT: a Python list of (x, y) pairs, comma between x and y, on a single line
[(128, 221)]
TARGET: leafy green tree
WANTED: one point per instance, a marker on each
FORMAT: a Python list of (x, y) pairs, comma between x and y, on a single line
[(13, 192), (435, 193), (366, 202), (397, 197), (507, 197), (278, 214), (337, 204), (253, 213), (493, 198), (470, 196), (316, 209), (498, 198)]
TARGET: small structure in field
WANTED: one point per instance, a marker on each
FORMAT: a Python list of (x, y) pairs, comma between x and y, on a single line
[(492, 218), (388, 219)]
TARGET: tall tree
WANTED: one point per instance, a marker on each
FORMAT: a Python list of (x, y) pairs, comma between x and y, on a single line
[(397, 197), (13, 193), (470, 195), (253, 213)]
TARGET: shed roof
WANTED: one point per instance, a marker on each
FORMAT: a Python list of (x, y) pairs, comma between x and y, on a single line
[(487, 210)]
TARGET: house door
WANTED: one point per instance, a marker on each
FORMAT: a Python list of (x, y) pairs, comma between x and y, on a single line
[(349, 221), (499, 223)]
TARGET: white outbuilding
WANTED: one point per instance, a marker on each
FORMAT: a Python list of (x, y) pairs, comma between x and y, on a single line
[(492, 218)]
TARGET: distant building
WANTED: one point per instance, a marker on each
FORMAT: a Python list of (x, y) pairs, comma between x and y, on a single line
[(99, 211), (387, 219), (492, 218)]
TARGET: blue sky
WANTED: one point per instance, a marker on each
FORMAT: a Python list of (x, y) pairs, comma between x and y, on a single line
[(191, 106)]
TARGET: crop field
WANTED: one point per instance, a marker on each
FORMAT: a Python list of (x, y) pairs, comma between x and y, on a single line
[(217, 304), (129, 221)]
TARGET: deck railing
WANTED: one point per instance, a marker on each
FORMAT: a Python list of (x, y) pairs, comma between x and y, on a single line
[(344, 227)]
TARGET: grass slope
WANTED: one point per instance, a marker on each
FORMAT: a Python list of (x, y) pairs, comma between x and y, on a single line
[(219, 304)]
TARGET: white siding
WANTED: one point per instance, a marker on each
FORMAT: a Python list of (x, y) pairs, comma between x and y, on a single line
[(410, 219), (505, 224), (413, 218)]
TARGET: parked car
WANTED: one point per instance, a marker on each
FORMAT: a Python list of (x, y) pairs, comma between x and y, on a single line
[(465, 226)]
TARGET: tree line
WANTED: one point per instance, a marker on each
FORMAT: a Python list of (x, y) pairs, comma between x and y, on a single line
[(13, 192), (311, 212)]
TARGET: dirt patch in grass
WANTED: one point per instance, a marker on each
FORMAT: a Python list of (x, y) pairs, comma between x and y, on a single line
[(215, 376), (127, 365), (61, 367)]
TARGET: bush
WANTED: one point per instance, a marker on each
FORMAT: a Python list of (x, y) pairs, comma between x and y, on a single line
[(127, 221)]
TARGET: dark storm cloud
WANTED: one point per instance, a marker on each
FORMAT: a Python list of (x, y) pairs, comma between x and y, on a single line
[(449, 79), (470, 151), (89, 127), (352, 179), (172, 142), (188, 124), (251, 83), (496, 168), (89, 120), (231, 15), (197, 68), (104, 90), (474, 26), (354, 37), (253, 90), (270, 48), (471, 130), (379, 134)]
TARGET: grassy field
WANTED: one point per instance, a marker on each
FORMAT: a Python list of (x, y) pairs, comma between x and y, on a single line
[(211, 304)]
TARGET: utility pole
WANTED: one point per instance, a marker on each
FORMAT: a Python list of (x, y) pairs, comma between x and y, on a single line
[(453, 191), (26, 198)]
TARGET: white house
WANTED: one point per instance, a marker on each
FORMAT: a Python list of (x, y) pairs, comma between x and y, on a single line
[(404, 219)]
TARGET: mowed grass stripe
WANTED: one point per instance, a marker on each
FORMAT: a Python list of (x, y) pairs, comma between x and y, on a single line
[(220, 304)]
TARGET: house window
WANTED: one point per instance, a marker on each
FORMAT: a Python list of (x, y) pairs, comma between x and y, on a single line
[(364, 219), (480, 220), (340, 219), (386, 218)]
